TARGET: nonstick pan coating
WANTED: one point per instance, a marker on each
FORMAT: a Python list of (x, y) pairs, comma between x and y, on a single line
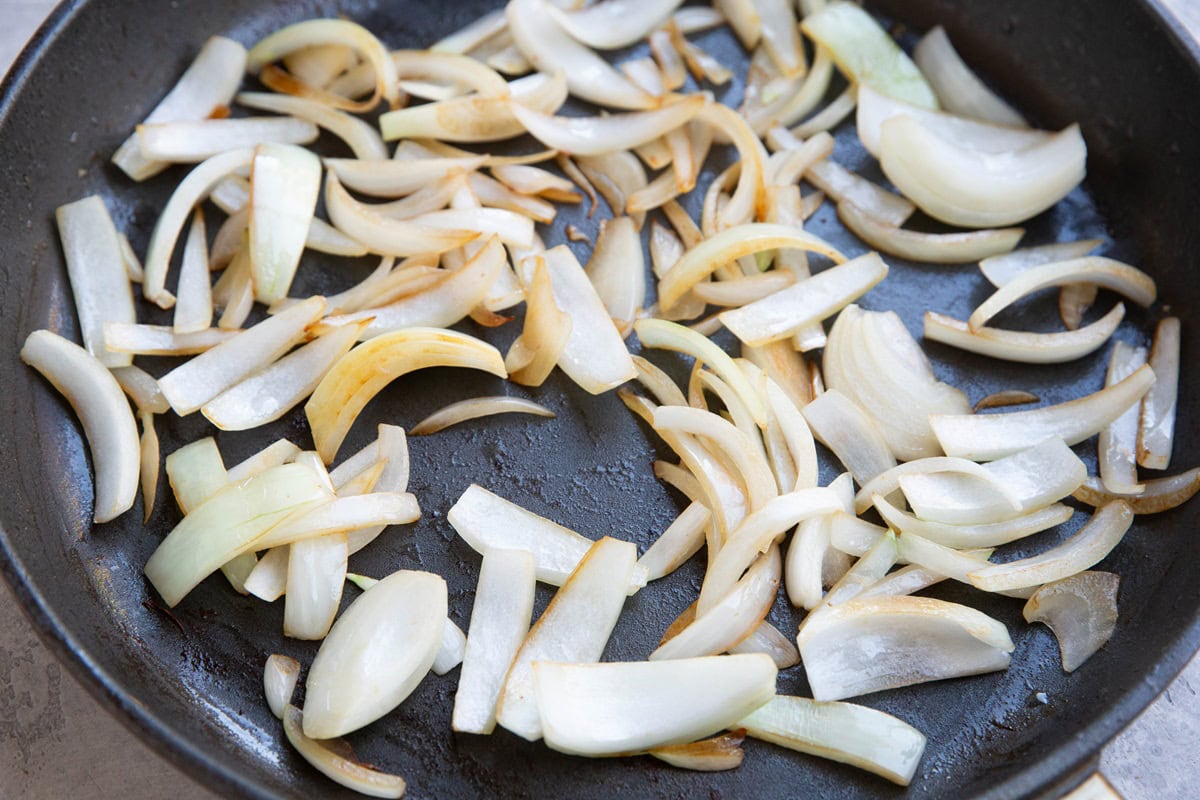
[(190, 682)]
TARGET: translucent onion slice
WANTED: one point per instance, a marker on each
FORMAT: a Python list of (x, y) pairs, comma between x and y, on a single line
[(766, 638), (1122, 278), (947, 561), (391, 178), (619, 177), (475, 408), (749, 199), (595, 356), (447, 68), (989, 534), (617, 270), (342, 515), (597, 135), (983, 437), (958, 88), (499, 623), (281, 451), (1024, 346), (339, 766), (618, 708), (1159, 494), (1008, 397), (864, 646), (319, 64), (268, 579), (363, 372), (702, 65), (380, 648), (574, 628), (544, 338), (933, 248), (194, 307), (613, 24), (851, 734), (142, 389), (315, 577), (161, 340), (1116, 460), (781, 37), (1091, 544), (741, 291), (867, 54), (873, 564), (148, 453), (208, 84), (743, 17), (536, 181), (1082, 612), (96, 270), (831, 115), (228, 523), (279, 682), (390, 237), (839, 424), (191, 385), (331, 31), (805, 559), (359, 136), (98, 402), (1156, 430), (708, 755), (790, 106), (482, 118), (963, 187), (473, 34), (887, 482), (194, 188), (732, 619), (450, 653), (845, 186), (442, 304), (682, 539), (1001, 269), (550, 49), (285, 181), (783, 313), (193, 141)]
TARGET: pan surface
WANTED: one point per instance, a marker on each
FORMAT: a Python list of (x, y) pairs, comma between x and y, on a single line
[(190, 683)]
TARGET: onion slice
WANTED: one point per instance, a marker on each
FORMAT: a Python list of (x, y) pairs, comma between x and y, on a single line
[(192, 141), (194, 307), (285, 181), (851, 734), (544, 338), (450, 653), (839, 424), (363, 372), (682, 539), (1024, 346), (590, 136), (161, 340), (391, 178), (315, 576), (359, 136), (476, 408), (1156, 429), (339, 767), (1116, 459), (958, 88), (499, 623), (708, 755), (932, 248), (990, 534), (613, 24), (98, 402), (1158, 495), (280, 675), (1082, 612), (845, 186), (617, 270), (142, 389), (1001, 269)]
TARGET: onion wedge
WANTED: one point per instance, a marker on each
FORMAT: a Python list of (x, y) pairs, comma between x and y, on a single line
[(380, 648), (363, 372), (550, 49), (864, 646), (96, 270), (1156, 429), (1091, 544), (575, 628), (611, 709), (766, 638), (450, 653), (285, 181), (958, 88), (932, 248), (193, 141), (1158, 495), (476, 408), (708, 755), (589, 136), (339, 766), (1082, 612), (613, 24), (499, 623), (983, 437), (851, 734), (194, 307), (268, 577), (1024, 346), (98, 402)]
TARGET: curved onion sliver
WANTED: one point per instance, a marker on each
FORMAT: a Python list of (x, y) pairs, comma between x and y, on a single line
[(982, 437), (192, 141), (544, 338), (864, 646), (708, 755), (1082, 612), (887, 482), (766, 638), (749, 199), (286, 181), (550, 49), (616, 708), (932, 248), (335, 765), (142, 389), (384, 235), (613, 24), (679, 542), (343, 515), (1090, 545), (1156, 428), (360, 137), (963, 187), (391, 178), (1158, 494), (947, 561), (450, 653), (1116, 459), (845, 186), (843, 427), (1024, 346), (315, 576), (989, 534), (851, 734), (475, 408), (98, 402), (596, 135), (617, 270), (958, 88), (280, 675), (380, 648), (1001, 269)]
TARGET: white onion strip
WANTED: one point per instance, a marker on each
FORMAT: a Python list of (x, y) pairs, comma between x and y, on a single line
[(1116, 459), (160, 340), (596, 135), (932, 248), (682, 539), (990, 534), (958, 88), (1159, 494), (192, 141), (336, 766), (1156, 429), (387, 236), (360, 137), (845, 186), (475, 408), (1024, 346), (613, 24)]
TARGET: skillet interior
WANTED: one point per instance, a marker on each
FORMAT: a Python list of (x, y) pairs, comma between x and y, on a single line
[(193, 688)]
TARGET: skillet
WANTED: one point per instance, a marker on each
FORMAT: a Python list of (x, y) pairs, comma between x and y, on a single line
[(189, 683)]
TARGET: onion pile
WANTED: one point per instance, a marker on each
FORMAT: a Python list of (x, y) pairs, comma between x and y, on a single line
[(456, 234)]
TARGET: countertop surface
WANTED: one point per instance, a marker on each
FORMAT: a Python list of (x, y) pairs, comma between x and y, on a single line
[(56, 741)]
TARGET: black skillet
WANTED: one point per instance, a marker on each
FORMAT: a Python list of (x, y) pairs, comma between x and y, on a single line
[(189, 683)]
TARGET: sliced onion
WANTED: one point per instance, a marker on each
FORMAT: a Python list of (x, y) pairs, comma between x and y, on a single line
[(208, 84), (831, 115), (544, 338), (947, 561), (268, 579), (1159, 494), (279, 682), (575, 627), (766, 638), (702, 65), (450, 654), (958, 88), (983, 437), (398, 622), (613, 24), (670, 63), (160, 340), (1082, 612), (499, 623), (98, 402), (617, 270), (865, 646), (1116, 460), (597, 135), (1009, 397), (783, 313), (682, 539), (96, 270), (990, 534), (315, 577), (708, 755), (845, 186), (391, 178), (887, 482), (319, 64), (473, 34), (793, 105), (339, 767), (744, 18), (1156, 429), (476, 408), (873, 564), (1001, 269), (363, 372), (148, 453), (342, 515), (619, 178), (867, 54), (841, 425), (933, 248), (142, 389), (285, 181), (617, 708), (550, 49), (749, 199), (278, 452), (388, 236), (359, 136), (851, 734), (192, 141), (1024, 346), (194, 307)]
